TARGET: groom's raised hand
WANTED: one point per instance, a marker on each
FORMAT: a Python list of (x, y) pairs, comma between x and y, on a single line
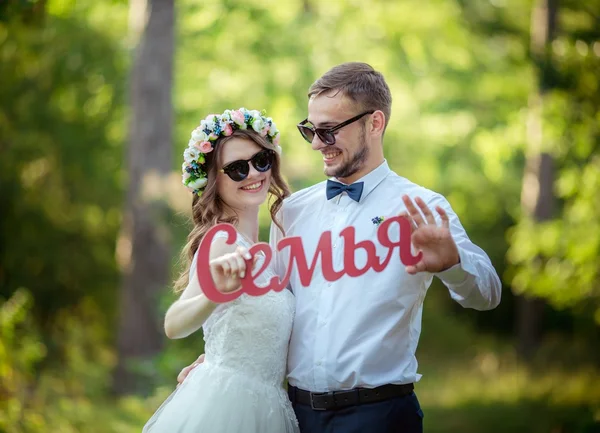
[(433, 240), (184, 372)]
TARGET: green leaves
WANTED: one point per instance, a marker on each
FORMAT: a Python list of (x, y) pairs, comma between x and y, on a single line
[(62, 131)]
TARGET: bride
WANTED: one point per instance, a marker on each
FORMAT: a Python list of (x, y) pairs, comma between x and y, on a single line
[(231, 165)]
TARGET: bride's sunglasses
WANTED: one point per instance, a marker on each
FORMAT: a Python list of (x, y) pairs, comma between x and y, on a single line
[(238, 170)]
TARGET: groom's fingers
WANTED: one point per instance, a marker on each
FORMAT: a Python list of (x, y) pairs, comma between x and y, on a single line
[(426, 211), (414, 269), (443, 216), (410, 220), (414, 212), (186, 371)]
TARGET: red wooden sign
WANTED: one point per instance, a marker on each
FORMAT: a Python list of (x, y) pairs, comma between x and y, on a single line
[(298, 257)]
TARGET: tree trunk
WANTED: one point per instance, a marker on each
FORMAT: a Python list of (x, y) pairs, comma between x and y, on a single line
[(537, 198), (143, 247), (306, 6)]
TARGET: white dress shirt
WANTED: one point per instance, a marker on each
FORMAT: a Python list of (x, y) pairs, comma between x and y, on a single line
[(364, 331)]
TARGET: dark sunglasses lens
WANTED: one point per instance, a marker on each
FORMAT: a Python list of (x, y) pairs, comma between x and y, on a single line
[(306, 132), (327, 137), (263, 160), (238, 170)]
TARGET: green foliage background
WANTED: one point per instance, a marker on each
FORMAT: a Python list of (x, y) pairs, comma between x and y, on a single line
[(461, 76)]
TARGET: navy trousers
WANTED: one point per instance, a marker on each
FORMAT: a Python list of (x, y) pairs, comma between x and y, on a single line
[(396, 415)]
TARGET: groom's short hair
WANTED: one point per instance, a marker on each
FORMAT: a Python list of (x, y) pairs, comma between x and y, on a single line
[(361, 83)]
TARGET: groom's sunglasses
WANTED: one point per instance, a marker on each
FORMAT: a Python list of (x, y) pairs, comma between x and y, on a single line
[(238, 170), (327, 135)]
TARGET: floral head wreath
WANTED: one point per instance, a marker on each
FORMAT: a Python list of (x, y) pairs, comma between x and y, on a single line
[(214, 126)]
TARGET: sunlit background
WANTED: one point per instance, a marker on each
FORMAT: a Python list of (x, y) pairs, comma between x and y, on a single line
[(495, 106)]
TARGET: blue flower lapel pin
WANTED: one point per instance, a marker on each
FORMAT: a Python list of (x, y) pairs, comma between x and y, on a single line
[(377, 220)]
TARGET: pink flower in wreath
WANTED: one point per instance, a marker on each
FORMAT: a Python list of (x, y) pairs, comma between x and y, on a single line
[(206, 147), (238, 117), (228, 130), (276, 140)]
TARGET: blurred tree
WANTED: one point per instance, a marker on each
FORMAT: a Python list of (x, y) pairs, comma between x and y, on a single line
[(60, 104), (462, 77), (537, 197), (554, 260), (143, 247), (557, 259), (25, 11), (60, 196)]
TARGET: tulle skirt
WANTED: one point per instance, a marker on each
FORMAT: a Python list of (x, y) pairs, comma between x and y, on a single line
[(215, 399)]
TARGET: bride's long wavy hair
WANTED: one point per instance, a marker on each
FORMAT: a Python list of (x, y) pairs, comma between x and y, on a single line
[(209, 209)]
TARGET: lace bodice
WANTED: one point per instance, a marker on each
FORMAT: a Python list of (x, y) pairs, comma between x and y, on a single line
[(250, 335)]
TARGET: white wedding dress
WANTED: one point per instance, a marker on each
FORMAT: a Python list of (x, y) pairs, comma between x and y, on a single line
[(239, 386)]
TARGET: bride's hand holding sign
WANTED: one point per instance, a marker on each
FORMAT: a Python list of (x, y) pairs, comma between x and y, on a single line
[(228, 269)]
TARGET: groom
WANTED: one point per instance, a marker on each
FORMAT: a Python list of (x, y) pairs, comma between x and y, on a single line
[(351, 362)]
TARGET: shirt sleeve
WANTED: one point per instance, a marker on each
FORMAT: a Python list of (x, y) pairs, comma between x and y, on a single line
[(473, 282)]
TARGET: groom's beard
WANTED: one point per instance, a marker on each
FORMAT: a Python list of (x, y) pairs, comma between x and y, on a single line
[(356, 162)]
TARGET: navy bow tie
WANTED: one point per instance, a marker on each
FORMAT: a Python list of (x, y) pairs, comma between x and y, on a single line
[(335, 188)]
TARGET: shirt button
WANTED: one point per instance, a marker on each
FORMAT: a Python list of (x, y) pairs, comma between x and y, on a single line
[(318, 363)]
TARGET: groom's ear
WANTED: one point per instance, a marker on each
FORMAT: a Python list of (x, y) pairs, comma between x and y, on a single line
[(377, 123)]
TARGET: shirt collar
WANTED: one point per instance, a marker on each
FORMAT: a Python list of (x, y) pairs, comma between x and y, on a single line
[(372, 179)]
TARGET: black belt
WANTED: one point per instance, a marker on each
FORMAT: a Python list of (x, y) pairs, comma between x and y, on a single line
[(352, 397)]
